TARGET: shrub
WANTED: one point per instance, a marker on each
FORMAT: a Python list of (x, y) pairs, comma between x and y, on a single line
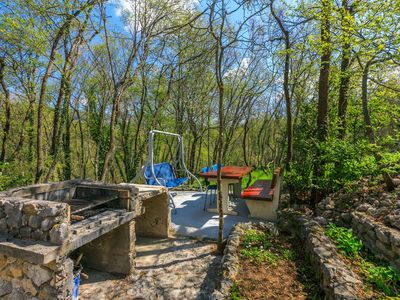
[(10, 178), (346, 242)]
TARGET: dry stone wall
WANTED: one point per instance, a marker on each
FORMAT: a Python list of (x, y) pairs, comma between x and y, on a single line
[(336, 280), (38, 220), (380, 239), (20, 279)]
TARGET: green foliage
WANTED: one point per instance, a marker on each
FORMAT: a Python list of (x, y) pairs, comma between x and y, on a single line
[(9, 178), (342, 163), (391, 162), (235, 292), (258, 247), (346, 242), (258, 255), (256, 238), (384, 278)]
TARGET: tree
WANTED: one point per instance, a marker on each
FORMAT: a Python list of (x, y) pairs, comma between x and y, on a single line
[(323, 88)]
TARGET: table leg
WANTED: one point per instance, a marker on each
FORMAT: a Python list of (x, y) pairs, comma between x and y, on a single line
[(225, 199)]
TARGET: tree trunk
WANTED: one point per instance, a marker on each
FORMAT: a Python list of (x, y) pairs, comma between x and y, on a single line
[(344, 69), (113, 121), (390, 185), (43, 88), (323, 93), (67, 170), (7, 111), (364, 98), (288, 100)]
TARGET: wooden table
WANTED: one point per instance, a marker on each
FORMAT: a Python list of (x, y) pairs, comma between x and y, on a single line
[(229, 175)]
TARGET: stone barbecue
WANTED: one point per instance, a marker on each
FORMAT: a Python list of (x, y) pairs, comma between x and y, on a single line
[(44, 227)]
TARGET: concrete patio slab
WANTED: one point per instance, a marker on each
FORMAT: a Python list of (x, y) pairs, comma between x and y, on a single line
[(191, 220)]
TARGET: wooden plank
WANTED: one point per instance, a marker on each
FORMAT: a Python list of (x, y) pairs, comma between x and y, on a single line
[(260, 190)]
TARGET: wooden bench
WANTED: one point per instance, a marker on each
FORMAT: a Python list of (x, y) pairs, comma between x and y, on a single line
[(262, 197)]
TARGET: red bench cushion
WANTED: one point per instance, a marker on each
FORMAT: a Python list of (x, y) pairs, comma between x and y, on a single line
[(260, 190)]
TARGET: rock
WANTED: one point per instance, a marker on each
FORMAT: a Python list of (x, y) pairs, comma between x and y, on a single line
[(330, 205), (385, 203), (381, 235), (343, 293), (2, 213), (363, 207), (393, 219), (5, 287), (47, 292), (15, 271), (14, 217), (47, 224), (13, 232), (59, 234), (34, 221), (39, 235), (9, 207), (29, 287), (384, 249), (25, 232), (18, 294), (50, 211), (38, 274), (3, 226), (321, 221), (24, 220), (382, 211), (30, 208), (3, 261), (346, 217)]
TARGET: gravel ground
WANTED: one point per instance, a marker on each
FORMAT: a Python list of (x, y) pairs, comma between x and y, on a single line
[(177, 268)]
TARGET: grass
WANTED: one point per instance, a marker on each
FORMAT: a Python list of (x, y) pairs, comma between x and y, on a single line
[(264, 258), (256, 174), (235, 292), (258, 248)]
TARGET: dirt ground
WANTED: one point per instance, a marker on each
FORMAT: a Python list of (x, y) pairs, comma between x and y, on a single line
[(286, 279)]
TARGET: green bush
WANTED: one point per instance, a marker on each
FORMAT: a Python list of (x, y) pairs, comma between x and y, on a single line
[(386, 279), (10, 178), (342, 163), (346, 242)]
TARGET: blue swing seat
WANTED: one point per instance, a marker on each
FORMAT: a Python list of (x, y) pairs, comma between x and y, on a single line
[(164, 174)]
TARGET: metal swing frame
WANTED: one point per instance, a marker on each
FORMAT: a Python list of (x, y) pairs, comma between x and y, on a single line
[(180, 158)]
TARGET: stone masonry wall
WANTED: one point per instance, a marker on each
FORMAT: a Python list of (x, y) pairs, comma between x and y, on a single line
[(21, 280), (34, 219), (381, 240), (336, 280)]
